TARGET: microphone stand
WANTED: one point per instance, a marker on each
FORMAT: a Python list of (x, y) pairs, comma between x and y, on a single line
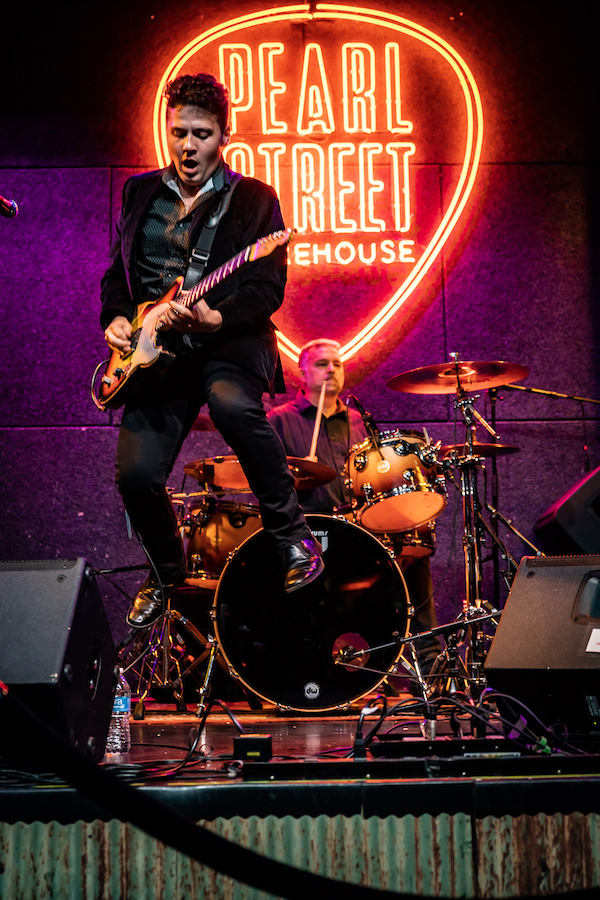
[(554, 394), (369, 423)]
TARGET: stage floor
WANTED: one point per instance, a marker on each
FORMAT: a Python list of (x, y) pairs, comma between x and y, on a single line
[(465, 801), (257, 762)]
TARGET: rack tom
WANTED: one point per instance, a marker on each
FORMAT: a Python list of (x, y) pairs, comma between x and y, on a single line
[(397, 481)]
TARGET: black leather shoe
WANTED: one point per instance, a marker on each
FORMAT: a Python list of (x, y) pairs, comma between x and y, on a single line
[(302, 563), (148, 604)]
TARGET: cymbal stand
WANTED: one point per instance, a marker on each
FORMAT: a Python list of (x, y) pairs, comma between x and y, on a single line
[(472, 536), (496, 516)]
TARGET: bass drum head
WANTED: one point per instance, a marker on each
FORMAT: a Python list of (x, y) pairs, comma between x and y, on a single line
[(282, 646)]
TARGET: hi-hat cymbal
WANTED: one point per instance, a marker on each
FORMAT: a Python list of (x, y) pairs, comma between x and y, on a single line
[(203, 423), (224, 471), (309, 474), (480, 448), (444, 378), (227, 473)]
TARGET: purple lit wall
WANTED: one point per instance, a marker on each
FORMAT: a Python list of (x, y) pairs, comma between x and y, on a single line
[(518, 283)]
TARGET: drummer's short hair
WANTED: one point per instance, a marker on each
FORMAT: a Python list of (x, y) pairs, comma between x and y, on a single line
[(317, 342)]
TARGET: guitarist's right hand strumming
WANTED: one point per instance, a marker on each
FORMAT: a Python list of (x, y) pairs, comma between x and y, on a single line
[(199, 318), (118, 334)]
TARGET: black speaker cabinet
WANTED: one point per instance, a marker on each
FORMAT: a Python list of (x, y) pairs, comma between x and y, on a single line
[(572, 523), (546, 650), (56, 649)]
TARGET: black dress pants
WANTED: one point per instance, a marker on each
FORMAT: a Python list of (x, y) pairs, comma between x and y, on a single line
[(155, 423)]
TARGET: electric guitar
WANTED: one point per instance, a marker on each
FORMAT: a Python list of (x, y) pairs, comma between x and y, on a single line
[(124, 370)]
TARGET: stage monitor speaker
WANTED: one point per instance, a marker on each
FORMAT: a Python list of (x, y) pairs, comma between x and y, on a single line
[(546, 650), (572, 523), (56, 649)]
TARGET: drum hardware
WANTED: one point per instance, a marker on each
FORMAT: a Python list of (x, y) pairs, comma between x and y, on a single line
[(557, 396), (159, 663), (414, 544), (456, 377), (369, 423), (226, 473), (157, 657), (507, 575), (449, 673)]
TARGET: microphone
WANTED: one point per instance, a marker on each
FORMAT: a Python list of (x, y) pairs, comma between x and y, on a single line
[(368, 420), (8, 208)]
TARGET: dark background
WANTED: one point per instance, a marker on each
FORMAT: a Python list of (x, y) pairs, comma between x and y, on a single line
[(519, 283)]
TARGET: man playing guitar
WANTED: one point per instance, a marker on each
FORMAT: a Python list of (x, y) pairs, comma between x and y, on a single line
[(224, 346)]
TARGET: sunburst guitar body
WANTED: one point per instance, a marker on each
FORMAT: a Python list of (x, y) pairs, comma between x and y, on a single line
[(124, 372)]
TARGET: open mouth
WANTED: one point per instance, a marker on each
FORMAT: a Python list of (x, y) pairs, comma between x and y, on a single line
[(189, 165)]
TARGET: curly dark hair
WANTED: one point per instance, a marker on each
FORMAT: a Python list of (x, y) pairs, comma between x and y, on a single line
[(202, 90)]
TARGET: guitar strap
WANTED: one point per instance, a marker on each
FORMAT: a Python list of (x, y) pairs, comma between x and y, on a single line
[(201, 252)]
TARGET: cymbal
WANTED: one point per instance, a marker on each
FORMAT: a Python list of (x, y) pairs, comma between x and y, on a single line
[(224, 471), (203, 423), (480, 448), (309, 474), (227, 472), (442, 379)]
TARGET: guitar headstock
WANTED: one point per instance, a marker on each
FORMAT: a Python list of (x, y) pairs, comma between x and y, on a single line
[(265, 246)]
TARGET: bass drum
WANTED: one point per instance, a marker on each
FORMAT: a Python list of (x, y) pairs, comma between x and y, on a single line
[(283, 647)]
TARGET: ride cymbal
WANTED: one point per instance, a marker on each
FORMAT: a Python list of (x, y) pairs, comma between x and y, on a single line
[(480, 448), (446, 377)]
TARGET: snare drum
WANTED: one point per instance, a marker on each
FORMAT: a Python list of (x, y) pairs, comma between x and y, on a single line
[(284, 649), (398, 480), (217, 528), (415, 544)]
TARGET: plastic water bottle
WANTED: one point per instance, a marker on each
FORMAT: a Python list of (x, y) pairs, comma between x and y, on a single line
[(118, 741)]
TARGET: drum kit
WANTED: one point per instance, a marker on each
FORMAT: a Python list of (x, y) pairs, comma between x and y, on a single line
[(340, 637)]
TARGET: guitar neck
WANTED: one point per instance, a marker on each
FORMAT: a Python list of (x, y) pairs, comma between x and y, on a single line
[(188, 298)]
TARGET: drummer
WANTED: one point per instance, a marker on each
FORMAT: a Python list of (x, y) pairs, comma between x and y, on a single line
[(340, 429)]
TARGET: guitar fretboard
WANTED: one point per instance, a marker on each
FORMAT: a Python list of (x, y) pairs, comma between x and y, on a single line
[(188, 298)]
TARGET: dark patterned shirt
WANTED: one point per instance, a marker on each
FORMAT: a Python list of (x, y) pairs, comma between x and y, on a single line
[(163, 247)]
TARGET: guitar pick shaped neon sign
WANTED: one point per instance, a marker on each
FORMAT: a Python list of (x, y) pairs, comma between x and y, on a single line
[(346, 111)]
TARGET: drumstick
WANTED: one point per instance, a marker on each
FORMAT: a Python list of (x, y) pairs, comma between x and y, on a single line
[(313, 443)]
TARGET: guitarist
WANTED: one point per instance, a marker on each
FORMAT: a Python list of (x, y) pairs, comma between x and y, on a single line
[(225, 347)]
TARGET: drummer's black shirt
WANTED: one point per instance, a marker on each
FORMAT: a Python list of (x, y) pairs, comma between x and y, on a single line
[(294, 422)]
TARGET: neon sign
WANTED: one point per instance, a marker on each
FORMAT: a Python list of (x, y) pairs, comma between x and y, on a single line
[(326, 107)]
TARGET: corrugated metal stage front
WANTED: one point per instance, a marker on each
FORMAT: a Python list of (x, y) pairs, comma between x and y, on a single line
[(450, 817)]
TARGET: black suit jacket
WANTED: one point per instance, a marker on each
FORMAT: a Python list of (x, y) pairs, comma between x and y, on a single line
[(246, 299)]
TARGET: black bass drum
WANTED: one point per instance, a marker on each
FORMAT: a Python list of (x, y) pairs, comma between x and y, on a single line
[(284, 646)]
